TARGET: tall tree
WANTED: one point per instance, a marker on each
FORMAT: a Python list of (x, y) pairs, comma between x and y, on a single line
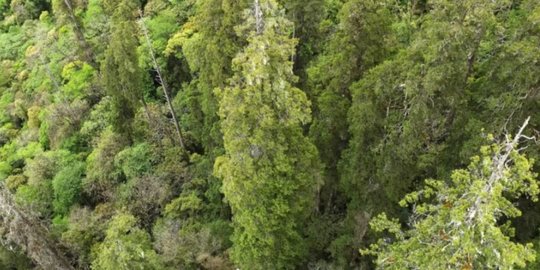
[(270, 169), (209, 49), (68, 10), (406, 111), (121, 73), (208, 42), (414, 115), (306, 15), (161, 80), (460, 225), (363, 39)]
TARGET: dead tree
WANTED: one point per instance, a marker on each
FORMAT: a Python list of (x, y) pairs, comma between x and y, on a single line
[(83, 43), (26, 231), (500, 162), (162, 81), (259, 21)]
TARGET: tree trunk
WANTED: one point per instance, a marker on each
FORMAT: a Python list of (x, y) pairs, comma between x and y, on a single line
[(27, 232), (162, 82), (87, 50), (499, 164)]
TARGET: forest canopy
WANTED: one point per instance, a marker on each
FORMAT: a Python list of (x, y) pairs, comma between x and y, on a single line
[(269, 134)]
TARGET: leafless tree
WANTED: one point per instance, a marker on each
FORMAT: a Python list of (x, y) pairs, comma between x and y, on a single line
[(25, 230), (161, 80)]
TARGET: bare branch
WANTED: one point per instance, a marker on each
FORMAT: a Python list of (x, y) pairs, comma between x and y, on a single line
[(259, 21), (499, 163), (161, 80), (27, 232)]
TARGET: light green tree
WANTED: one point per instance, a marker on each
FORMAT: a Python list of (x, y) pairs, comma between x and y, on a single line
[(208, 43), (270, 169), (125, 247), (460, 224)]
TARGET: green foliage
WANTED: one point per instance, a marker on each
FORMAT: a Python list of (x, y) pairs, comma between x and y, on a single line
[(4, 6), (361, 39), (193, 246), (383, 93), (408, 113), (162, 26), (11, 43), (209, 44), (37, 197), (61, 122), (13, 182), (122, 75), (144, 197), (536, 263), (84, 229), (78, 77), (135, 161), (270, 169), (27, 9), (67, 186), (125, 247), (95, 23), (99, 119), (306, 17), (186, 203), (102, 176), (48, 187), (460, 225), (13, 258)]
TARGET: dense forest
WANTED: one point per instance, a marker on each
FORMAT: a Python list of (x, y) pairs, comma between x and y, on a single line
[(269, 134)]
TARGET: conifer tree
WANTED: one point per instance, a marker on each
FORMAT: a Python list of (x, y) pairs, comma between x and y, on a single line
[(406, 111), (121, 73), (306, 15), (161, 80), (209, 52), (270, 168), (208, 43), (68, 10), (460, 225), (363, 38), (400, 91)]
